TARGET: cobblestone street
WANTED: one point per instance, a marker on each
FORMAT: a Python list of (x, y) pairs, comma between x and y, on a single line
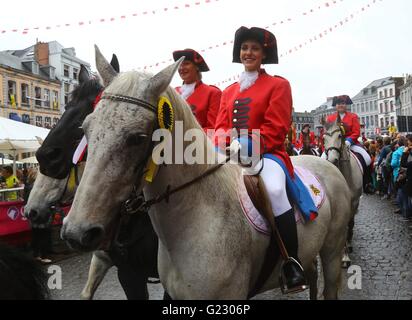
[(382, 246)]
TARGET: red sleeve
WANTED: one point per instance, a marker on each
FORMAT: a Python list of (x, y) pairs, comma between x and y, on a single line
[(278, 117), (213, 108), (355, 129), (222, 125)]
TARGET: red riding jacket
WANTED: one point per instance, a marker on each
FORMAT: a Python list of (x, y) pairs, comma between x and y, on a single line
[(351, 124), (204, 101), (266, 105)]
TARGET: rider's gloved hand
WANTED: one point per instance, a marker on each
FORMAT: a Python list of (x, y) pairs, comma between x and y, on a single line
[(348, 144), (234, 148)]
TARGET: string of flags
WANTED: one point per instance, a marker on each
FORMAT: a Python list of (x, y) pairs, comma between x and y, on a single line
[(325, 4), (316, 37), (110, 19)]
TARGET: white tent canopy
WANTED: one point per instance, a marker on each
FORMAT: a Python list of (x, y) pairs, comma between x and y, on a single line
[(31, 160), (17, 137)]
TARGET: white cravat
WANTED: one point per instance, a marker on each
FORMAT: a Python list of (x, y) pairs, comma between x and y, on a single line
[(247, 79), (342, 115), (187, 90)]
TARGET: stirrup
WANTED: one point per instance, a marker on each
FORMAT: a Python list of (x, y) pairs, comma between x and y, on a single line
[(283, 279)]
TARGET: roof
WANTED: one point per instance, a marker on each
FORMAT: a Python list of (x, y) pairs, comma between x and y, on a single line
[(377, 83)]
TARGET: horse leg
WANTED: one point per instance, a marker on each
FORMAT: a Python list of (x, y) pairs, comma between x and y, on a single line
[(311, 274), (351, 225), (133, 281), (99, 266), (331, 264)]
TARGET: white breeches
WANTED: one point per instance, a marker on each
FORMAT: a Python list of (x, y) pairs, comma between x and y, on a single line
[(363, 153), (357, 149), (275, 182)]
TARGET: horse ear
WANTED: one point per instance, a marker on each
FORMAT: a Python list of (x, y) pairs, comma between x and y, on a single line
[(83, 74), (115, 63), (106, 71), (338, 120), (161, 81), (322, 120)]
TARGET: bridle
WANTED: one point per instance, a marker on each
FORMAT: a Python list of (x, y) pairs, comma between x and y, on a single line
[(138, 204), (339, 150)]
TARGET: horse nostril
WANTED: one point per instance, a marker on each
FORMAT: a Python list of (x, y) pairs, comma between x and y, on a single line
[(92, 237), (33, 215)]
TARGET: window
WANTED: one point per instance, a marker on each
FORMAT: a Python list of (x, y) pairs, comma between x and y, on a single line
[(391, 105), (47, 122), (66, 71), (391, 92), (376, 120), (363, 108), (372, 122), (26, 118), (66, 92), (46, 98), (12, 93), (371, 106), (382, 125), (386, 107), (376, 108), (39, 121), (24, 93), (386, 93), (75, 73), (55, 100), (37, 92), (380, 95), (381, 107), (367, 122)]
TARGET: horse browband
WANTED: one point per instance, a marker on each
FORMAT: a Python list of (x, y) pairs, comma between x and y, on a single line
[(135, 101)]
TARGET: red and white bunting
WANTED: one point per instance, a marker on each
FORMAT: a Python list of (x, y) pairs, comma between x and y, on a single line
[(122, 17), (319, 35)]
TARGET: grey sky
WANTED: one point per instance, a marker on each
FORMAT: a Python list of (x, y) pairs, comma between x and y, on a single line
[(375, 44)]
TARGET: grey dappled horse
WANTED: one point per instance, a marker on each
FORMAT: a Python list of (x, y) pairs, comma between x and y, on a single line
[(207, 248), (339, 154)]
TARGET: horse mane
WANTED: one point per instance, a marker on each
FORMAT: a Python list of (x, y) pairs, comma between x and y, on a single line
[(21, 277), (86, 91)]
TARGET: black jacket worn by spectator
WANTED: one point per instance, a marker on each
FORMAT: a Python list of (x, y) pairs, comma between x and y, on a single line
[(406, 162)]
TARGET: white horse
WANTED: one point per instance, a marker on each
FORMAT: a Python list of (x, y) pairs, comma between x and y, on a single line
[(207, 248), (339, 154)]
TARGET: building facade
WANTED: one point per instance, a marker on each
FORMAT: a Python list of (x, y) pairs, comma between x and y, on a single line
[(58, 62), (365, 105), (405, 97), (388, 93), (28, 93)]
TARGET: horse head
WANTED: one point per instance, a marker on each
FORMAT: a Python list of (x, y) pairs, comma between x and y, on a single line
[(56, 151), (334, 141), (119, 134)]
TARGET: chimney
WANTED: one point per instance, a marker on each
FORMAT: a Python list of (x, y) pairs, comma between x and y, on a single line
[(41, 53)]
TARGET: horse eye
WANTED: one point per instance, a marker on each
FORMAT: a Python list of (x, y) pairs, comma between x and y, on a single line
[(135, 139)]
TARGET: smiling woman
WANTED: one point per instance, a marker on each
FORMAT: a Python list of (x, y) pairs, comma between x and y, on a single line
[(204, 100)]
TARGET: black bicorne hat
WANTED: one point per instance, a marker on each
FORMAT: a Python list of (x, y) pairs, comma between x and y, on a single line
[(344, 99), (193, 56), (264, 37)]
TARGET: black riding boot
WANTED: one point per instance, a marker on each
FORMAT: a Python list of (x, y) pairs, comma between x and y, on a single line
[(367, 181), (293, 271)]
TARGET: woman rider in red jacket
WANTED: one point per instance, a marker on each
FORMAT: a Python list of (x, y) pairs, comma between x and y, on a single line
[(264, 102)]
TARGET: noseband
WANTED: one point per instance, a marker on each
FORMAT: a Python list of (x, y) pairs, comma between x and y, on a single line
[(339, 150)]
